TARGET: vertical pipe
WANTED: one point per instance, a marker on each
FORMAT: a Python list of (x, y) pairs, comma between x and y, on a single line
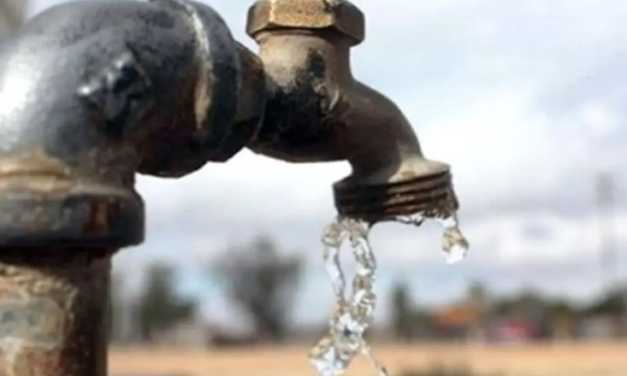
[(53, 311)]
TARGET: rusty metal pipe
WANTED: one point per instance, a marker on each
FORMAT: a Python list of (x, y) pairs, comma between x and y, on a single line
[(92, 93), (317, 112), (53, 307)]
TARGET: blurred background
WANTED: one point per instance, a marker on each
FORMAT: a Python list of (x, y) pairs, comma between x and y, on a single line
[(524, 99)]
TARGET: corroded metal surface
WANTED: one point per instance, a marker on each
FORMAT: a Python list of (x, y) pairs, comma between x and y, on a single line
[(251, 106), (431, 195), (84, 215), (92, 93), (53, 312), (317, 111)]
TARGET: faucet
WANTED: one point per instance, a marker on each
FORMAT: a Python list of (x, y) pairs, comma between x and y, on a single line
[(93, 92), (318, 112)]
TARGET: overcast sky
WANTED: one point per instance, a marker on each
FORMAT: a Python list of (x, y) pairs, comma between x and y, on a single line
[(525, 99)]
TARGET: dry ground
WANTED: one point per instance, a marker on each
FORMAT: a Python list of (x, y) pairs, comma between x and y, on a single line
[(537, 360)]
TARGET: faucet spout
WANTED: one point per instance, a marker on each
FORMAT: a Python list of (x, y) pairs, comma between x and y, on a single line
[(318, 112)]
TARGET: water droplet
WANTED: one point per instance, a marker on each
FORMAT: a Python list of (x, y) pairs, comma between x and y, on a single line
[(454, 244)]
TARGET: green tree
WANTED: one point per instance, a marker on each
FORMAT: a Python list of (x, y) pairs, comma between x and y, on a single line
[(158, 306), (561, 315), (610, 303), (403, 311), (263, 283)]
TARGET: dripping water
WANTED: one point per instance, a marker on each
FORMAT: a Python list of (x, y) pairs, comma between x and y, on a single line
[(454, 245), (353, 314)]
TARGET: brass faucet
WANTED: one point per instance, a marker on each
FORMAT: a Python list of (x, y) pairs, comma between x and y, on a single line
[(317, 112)]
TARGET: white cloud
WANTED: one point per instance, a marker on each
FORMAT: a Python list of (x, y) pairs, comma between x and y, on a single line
[(599, 120), (520, 239)]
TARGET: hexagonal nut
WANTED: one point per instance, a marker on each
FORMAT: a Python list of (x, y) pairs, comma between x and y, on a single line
[(338, 15)]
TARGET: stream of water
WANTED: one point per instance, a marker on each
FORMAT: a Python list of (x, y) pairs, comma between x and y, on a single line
[(353, 313)]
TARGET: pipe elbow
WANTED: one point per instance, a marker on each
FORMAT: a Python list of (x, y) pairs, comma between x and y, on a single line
[(93, 92)]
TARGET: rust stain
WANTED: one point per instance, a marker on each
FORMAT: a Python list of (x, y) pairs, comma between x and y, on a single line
[(28, 322), (101, 214)]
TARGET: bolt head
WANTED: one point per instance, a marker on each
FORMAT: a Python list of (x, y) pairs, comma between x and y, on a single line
[(338, 15)]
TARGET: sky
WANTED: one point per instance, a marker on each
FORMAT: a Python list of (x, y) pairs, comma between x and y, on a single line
[(523, 98)]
